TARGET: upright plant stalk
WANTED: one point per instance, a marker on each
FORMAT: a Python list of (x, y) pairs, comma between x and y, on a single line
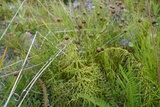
[(153, 41)]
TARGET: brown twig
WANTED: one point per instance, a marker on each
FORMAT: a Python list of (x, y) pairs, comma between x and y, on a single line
[(45, 96)]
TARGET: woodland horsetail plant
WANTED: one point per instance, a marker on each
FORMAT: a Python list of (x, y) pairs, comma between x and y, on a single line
[(79, 53)]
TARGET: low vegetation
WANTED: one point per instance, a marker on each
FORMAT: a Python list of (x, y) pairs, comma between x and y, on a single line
[(92, 53)]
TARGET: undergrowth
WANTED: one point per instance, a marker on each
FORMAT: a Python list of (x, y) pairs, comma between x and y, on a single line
[(99, 54)]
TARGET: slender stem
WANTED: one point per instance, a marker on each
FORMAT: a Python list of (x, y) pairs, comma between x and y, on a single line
[(20, 72), (12, 19), (153, 42)]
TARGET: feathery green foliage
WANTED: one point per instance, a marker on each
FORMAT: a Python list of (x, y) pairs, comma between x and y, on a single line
[(94, 55)]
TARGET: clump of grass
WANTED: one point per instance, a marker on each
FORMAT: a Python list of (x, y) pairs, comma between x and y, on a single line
[(84, 55)]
